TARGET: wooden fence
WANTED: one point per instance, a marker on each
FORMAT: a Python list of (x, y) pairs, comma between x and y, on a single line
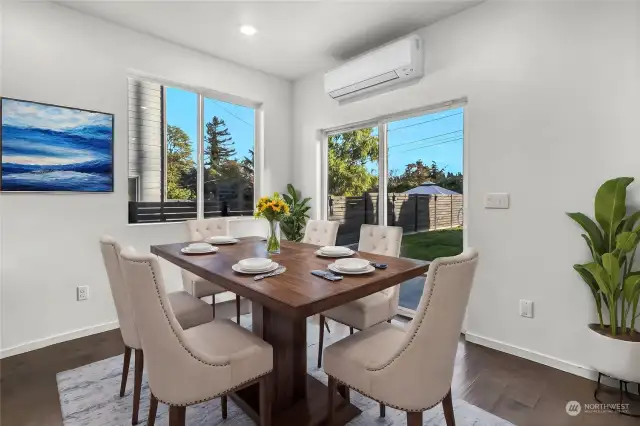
[(175, 211), (414, 213)]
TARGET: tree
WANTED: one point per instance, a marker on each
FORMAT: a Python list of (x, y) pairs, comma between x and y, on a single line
[(218, 146), (247, 168), (180, 164), (349, 154), (414, 175)]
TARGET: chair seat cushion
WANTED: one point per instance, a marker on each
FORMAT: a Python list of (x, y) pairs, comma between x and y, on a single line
[(188, 310), (365, 312), (348, 359), (250, 356), (200, 286)]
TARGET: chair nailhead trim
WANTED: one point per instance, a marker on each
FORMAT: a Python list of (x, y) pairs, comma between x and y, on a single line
[(155, 282), (389, 404), (424, 315), (218, 395), (164, 310)]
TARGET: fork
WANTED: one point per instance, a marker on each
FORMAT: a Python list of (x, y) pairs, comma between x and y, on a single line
[(278, 271)]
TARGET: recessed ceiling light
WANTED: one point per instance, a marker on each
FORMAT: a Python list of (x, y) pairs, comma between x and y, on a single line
[(248, 30)]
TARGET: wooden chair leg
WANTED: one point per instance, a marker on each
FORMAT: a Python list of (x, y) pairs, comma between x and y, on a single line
[(223, 404), (383, 410), (137, 386), (265, 400), (333, 388), (447, 407), (350, 330), (153, 410), (213, 306), (321, 340), (177, 416), (238, 308), (125, 370), (326, 325), (413, 419), (344, 392)]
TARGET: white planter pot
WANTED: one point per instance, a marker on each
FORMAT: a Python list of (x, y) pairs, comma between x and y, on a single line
[(619, 359)]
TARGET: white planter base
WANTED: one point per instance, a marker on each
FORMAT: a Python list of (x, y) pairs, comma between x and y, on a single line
[(615, 358)]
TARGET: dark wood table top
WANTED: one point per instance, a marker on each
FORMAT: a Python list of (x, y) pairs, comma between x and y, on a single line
[(295, 293)]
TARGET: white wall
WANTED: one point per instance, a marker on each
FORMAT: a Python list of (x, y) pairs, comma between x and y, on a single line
[(50, 242), (553, 91)]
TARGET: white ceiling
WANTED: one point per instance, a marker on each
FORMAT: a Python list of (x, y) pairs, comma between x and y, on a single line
[(293, 39)]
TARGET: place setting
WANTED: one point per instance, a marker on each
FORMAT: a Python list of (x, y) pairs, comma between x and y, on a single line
[(259, 267), (199, 248), (221, 240), (334, 251)]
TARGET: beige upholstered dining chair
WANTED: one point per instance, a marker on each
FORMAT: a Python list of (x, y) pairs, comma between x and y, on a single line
[(187, 367), (195, 285), (375, 308), (321, 232), (409, 369), (188, 310)]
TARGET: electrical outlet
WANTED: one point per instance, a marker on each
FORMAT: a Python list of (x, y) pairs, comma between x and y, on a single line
[(526, 308), (83, 292)]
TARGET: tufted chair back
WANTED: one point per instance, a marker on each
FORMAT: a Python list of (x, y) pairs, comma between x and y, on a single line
[(321, 232), (121, 298), (203, 228), (384, 240), (179, 373), (427, 353)]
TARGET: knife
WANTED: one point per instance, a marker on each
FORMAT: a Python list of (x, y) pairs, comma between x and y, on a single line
[(278, 271)]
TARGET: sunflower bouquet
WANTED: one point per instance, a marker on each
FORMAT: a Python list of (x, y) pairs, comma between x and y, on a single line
[(274, 209)]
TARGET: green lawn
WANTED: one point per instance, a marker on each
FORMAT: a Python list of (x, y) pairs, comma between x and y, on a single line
[(432, 244)]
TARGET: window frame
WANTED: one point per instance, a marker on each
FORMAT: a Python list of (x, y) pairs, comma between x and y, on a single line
[(202, 93)]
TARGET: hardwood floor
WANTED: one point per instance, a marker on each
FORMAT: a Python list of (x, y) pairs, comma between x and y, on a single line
[(520, 391)]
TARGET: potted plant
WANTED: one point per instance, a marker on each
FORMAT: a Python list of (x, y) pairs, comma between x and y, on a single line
[(613, 242), (274, 209), (293, 225)]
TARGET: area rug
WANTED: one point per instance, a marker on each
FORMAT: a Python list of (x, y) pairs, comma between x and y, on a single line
[(89, 397)]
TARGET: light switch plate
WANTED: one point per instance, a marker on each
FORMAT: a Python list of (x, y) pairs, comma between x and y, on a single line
[(496, 200)]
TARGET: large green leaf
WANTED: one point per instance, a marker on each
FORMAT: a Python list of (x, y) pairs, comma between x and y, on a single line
[(611, 265), (610, 206), (588, 278), (626, 241), (631, 221), (601, 277), (631, 286), (590, 227)]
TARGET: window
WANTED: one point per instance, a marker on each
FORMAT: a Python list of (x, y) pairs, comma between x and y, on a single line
[(190, 156), (414, 163)]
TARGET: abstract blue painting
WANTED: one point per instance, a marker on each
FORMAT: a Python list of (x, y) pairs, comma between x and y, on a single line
[(53, 148)]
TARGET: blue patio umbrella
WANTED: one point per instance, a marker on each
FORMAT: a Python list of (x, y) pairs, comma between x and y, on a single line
[(430, 188)]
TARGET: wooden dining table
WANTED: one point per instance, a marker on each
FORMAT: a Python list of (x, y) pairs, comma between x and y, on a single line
[(280, 308)]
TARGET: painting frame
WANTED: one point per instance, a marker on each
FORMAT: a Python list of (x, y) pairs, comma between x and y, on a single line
[(111, 152)]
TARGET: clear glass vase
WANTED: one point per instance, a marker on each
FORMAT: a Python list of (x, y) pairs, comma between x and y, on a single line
[(273, 239)]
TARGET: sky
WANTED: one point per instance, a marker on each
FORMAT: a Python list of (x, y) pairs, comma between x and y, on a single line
[(182, 111), (431, 137)]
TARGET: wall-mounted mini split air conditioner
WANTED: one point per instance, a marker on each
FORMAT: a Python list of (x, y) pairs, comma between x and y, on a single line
[(378, 70)]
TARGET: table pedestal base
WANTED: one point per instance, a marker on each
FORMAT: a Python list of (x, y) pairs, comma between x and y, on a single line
[(309, 411)]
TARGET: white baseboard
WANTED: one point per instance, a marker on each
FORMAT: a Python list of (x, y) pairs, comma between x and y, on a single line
[(58, 338), (569, 367)]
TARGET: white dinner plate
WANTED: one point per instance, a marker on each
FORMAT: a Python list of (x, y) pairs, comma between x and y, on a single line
[(186, 250), (352, 264), (332, 267), (322, 254), (271, 268), (221, 240)]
